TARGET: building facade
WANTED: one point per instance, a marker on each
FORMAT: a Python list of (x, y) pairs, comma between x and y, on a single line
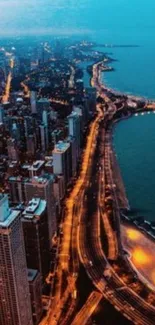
[(42, 187), (35, 288), (61, 160), (15, 306), (35, 229)]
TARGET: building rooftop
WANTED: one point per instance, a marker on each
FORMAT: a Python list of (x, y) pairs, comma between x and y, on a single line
[(39, 180), (61, 147), (43, 100), (26, 166), (36, 165), (31, 273), (7, 222), (74, 115), (18, 179), (35, 208), (49, 163)]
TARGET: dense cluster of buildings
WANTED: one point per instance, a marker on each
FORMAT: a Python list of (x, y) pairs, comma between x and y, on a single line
[(41, 138)]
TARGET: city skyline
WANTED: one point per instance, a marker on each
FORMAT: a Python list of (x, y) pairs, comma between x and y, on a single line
[(77, 227)]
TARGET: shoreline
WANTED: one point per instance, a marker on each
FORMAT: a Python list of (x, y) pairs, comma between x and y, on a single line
[(143, 225), (111, 60), (103, 87)]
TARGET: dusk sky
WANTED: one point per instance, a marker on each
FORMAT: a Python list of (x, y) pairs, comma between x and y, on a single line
[(72, 16), (41, 16)]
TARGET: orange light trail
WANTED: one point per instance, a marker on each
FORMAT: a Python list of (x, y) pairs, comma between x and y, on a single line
[(63, 264), (73, 196), (6, 95)]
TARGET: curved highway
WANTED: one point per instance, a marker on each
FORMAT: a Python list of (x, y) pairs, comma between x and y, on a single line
[(92, 256)]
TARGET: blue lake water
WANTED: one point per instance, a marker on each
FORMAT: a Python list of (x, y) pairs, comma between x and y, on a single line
[(134, 139), (134, 143), (134, 70)]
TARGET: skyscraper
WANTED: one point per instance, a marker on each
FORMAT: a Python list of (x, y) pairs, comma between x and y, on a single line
[(33, 98), (35, 228), (45, 121), (43, 137), (16, 189), (61, 160), (43, 187), (13, 152), (35, 286), (73, 156), (30, 145), (91, 94), (1, 114), (42, 104), (74, 130), (15, 306)]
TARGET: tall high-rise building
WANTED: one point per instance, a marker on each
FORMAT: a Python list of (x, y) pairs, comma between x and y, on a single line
[(43, 137), (15, 132), (35, 287), (23, 189), (61, 160), (45, 121), (30, 145), (59, 190), (29, 125), (3, 139), (33, 98), (90, 94), (42, 104), (17, 189), (75, 130), (73, 156), (42, 187), (1, 114), (15, 306), (79, 86), (35, 228), (13, 152)]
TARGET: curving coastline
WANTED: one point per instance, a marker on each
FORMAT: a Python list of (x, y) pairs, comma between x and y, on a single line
[(131, 104)]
